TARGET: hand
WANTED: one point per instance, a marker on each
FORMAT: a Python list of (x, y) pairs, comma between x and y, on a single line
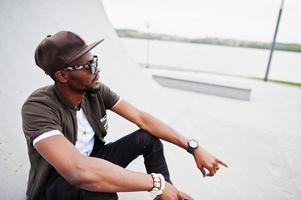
[(204, 160), (184, 196), (171, 193)]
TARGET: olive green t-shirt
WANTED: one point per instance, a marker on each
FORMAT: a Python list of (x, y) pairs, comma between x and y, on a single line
[(47, 109)]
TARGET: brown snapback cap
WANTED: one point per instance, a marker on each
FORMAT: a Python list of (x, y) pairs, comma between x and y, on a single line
[(56, 51)]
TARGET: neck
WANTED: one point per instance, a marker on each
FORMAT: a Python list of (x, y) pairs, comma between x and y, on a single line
[(72, 96)]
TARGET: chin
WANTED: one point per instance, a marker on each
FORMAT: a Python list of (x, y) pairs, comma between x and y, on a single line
[(93, 89)]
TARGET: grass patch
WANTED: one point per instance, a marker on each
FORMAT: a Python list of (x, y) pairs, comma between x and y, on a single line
[(287, 83)]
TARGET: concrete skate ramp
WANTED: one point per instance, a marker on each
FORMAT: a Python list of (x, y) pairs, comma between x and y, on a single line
[(259, 139), (23, 25)]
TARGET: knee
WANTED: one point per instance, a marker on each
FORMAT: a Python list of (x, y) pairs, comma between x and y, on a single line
[(148, 140)]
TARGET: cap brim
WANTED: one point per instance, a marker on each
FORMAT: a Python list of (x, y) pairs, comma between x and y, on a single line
[(85, 50)]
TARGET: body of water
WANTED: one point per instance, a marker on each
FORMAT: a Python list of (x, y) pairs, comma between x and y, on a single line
[(286, 66)]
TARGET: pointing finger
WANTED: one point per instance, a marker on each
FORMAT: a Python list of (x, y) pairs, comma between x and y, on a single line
[(203, 171), (222, 163)]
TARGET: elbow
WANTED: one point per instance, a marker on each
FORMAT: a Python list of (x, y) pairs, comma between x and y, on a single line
[(84, 177), (141, 122), (76, 175)]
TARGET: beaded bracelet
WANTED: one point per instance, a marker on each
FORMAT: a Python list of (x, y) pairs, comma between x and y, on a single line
[(158, 184)]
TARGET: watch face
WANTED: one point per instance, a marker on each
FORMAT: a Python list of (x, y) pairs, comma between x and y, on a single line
[(193, 144)]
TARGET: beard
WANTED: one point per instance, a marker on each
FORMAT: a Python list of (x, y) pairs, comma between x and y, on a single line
[(93, 90)]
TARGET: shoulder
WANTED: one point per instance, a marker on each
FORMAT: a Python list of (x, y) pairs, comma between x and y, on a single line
[(41, 93), (103, 88), (42, 97)]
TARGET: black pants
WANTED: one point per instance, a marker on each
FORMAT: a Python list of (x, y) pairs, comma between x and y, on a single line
[(120, 152)]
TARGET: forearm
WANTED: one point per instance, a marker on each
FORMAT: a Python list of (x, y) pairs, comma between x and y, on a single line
[(102, 176), (93, 174), (149, 123), (162, 130)]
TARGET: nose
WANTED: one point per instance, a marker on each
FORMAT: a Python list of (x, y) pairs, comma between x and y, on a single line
[(97, 70)]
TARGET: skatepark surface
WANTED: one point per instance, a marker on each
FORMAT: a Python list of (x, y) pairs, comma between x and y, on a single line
[(259, 139)]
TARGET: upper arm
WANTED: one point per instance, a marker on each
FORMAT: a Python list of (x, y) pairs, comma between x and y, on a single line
[(38, 118), (61, 154), (129, 112)]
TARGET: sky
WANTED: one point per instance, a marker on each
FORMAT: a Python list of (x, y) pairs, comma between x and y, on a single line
[(253, 20)]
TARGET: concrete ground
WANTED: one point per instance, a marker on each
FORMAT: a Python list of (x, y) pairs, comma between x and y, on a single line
[(259, 139)]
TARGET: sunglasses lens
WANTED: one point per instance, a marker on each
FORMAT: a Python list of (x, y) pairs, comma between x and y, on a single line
[(94, 64)]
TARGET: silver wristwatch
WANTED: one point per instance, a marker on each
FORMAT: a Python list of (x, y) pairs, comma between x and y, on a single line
[(192, 145)]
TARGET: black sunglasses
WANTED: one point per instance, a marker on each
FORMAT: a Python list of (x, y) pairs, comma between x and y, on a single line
[(92, 65)]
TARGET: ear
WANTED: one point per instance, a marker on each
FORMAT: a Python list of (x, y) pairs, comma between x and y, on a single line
[(61, 76)]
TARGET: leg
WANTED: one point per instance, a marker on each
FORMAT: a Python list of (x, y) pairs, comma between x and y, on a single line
[(121, 152), (128, 148)]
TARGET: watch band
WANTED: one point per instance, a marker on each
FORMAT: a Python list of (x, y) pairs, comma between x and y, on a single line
[(189, 149)]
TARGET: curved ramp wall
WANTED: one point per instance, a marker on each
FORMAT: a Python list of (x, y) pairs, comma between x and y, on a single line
[(23, 25)]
